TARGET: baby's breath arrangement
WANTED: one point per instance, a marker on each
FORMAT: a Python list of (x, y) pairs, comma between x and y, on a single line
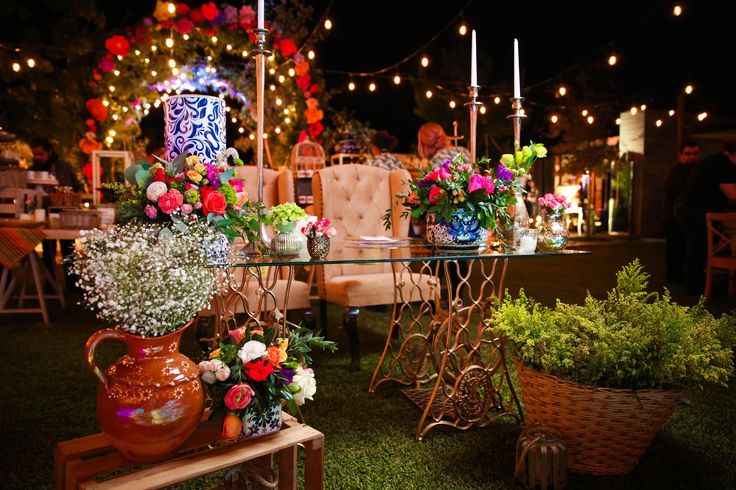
[(146, 282)]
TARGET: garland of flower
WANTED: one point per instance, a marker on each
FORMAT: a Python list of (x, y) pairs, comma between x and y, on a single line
[(202, 49)]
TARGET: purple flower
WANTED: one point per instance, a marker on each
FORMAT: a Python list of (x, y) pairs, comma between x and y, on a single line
[(423, 184), (287, 374), (213, 177), (446, 163), (503, 173)]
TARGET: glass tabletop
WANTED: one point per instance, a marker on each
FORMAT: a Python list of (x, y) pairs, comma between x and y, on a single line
[(406, 250)]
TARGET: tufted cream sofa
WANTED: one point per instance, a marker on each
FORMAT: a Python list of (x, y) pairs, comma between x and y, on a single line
[(355, 198)]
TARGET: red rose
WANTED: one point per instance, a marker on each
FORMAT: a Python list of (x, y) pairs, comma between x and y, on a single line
[(184, 26), (196, 16), (435, 195), (287, 46), (96, 109), (315, 130), (215, 203), (171, 201), (239, 396), (182, 9), (209, 11), (159, 175), (117, 45), (258, 370), (303, 82)]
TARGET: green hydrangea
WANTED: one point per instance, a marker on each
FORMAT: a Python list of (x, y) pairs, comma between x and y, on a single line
[(229, 192), (286, 213), (191, 196), (179, 186)]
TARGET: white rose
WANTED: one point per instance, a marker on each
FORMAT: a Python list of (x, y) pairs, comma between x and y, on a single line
[(209, 377), (223, 373), (304, 378), (216, 364), (156, 190), (252, 350), (205, 366)]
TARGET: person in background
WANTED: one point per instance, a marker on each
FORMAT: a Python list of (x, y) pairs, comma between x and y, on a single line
[(382, 144), (434, 145), (674, 183), (530, 198), (46, 159), (702, 194)]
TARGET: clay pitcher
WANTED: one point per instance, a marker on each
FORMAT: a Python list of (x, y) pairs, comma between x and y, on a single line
[(151, 399)]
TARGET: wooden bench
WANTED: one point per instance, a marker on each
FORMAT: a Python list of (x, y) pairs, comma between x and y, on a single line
[(78, 462)]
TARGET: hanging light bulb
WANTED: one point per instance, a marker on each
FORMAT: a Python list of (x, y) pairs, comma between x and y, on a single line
[(428, 93), (229, 47), (554, 119), (585, 112), (241, 129), (612, 60), (146, 61), (272, 71), (292, 72), (252, 136), (618, 121), (169, 42), (111, 88), (453, 104), (172, 8), (497, 100), (116, 73), (372, 87), (172, 63), (137, 52), (463, 29), (214, 39), (279, 101), (154, 73), (31, 62), (482, 109), (397, 79), (16, 67), (106, 103), (175, 71), (311, 54), (286, 111), (643, 107), (425, 61), (277, 130), (677, 10), (115, 117), (634, 110), (351, 86), (689, 89), (185, 37), (590, 119), (328, 24), (112, 132), (671, 112), (281, 78), (234, 120), (244, 54), (658, 122), (562, 90), (702, 116)]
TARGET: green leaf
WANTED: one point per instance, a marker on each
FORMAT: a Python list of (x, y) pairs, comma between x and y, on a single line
[(226, 176), (131, 172), (143, 178)]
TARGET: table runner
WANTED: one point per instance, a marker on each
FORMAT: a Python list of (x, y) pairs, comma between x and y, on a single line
[(16, 243)]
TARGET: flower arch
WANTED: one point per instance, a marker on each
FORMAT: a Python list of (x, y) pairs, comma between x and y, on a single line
[(183, 49)]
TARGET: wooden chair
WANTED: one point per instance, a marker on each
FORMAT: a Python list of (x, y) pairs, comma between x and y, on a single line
[(721, 228), (13, 200), (355, 198)]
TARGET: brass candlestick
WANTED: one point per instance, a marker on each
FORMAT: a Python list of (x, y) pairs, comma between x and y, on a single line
[(260, 54), (517, 115), (473, 105)]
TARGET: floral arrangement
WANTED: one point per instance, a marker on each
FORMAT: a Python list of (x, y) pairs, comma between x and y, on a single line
[(520, 162), (285, 214), (553, 204), (256, 369), (147, 283), (186, 190), (320, 228)]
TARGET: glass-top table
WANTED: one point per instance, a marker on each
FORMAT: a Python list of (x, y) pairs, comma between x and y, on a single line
[(439, 344)]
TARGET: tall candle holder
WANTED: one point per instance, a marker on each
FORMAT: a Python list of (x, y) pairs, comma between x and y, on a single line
[(517, 115), (260, 54), (473, 105)]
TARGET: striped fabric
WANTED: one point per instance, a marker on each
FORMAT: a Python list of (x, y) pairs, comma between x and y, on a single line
[(16, 243)]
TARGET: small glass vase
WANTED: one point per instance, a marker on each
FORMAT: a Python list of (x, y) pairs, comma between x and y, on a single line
[(318, 246), (553, 233), (510, 235), (287, 241)]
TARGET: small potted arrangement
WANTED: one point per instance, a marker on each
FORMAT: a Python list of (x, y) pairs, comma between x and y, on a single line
[(318, 235), (284, 217), (553, 230), (253, 373), (607, 374), (149, 285)]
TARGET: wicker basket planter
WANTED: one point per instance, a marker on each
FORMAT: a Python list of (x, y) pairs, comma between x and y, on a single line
[(606, 430)]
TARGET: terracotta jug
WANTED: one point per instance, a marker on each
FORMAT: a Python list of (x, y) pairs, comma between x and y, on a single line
[(151, 399)]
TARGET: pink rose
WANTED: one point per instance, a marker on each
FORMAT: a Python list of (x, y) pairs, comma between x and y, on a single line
[(236, 184), (151, 211), (239, 396), (186, 208), (238, 334), (223, 373), (476, 182), (433, 176), (435, 195), (443, 173), (171, 201)]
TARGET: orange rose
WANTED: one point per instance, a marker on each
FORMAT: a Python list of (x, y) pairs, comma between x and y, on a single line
[(273, 354), (231, 427)]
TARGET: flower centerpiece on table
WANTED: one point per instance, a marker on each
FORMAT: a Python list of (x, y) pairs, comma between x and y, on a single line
[(186, 190), (285, 217), (148, 285), (553, 233), (252, 373), (553, 205), (318, 235)]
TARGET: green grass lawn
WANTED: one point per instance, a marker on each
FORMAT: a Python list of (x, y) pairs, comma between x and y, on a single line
[(48, 395)]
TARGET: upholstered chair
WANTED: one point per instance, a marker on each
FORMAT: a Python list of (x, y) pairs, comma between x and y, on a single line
[(278, 187), (355, 198)]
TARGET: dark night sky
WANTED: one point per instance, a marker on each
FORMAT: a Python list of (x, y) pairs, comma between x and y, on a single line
[(658, 52)]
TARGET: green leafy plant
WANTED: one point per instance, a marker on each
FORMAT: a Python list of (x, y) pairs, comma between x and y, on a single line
[(632, 339), (286, 213)]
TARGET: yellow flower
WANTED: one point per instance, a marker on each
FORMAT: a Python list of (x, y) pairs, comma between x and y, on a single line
[(192, 160), (199, 167), (214, 353), (507, 159), (526, 152), (541, 151), (283, 344), (193, 176)]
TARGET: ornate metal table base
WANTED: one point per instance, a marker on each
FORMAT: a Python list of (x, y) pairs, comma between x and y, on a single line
[(455, 365)]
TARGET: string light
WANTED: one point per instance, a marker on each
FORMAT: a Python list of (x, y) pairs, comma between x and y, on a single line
[(214, 39), (154, 73), (452, 104), (146, 61), (106, 103), (291, 72), (137, 52), (328, 24), (658, 122), (185, 37), (677, 10), (279, 101), (689, 89), (252, 136), (153, 48), (172, 8), (172, 63), (311, 54), (234, 120), (702, 116), (272, 71), (175, 71), (169, 42), (277, 130), (115, 117), (281, 78), (372, 87), (116, 73), (671, 112), (397, 79), (244, 54), (590, 119), (287, 120), (16, 67), (286, 111), (562, 90), (497, 100), (241, 129), (585, 112), (351, 86), (618, 121), (634, 110), (428, 93), (112, 132), (612, 60), (482, 109), (463, 29), (425, 61), (554, 119), (643, 107), (272, 87), (31, 62), (111, 88), (229, 47)]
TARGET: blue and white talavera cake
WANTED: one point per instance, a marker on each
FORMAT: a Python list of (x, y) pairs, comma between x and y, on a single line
[(195, 125)]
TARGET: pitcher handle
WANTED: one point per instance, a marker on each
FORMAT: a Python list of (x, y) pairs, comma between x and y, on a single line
[(89, 351)]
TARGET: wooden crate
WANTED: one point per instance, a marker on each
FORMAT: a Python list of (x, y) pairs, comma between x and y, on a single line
[(79, 462)]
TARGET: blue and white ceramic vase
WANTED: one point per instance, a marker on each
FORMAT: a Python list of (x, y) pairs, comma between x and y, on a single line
[(462, 232), (217, 250), (195, 125), (258, 423)]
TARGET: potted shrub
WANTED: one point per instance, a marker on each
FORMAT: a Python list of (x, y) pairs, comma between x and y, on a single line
[(607, 374)]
